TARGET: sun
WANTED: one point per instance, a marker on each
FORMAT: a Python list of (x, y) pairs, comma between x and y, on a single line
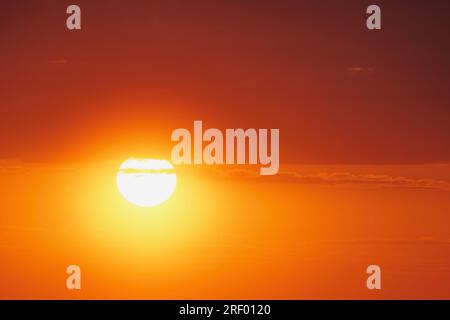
[(146, 182)]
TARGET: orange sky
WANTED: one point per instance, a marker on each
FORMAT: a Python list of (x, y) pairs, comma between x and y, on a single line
[(364, 124)]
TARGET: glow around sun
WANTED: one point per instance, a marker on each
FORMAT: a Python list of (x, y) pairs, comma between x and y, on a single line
[(146, 182)]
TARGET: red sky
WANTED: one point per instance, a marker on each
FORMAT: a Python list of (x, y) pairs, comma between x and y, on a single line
[(338, 92)]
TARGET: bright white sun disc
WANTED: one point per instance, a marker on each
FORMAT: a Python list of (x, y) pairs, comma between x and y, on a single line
[(146, 182)]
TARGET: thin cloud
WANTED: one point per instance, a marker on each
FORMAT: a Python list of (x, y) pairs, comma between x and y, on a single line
[(348, 178), (357, 71)]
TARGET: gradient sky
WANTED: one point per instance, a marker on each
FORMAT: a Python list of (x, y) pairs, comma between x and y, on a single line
[(364, 119), (340, 93)]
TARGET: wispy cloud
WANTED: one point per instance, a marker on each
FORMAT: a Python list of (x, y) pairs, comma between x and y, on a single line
[(355, 71), (295, 176), (348, 178)]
